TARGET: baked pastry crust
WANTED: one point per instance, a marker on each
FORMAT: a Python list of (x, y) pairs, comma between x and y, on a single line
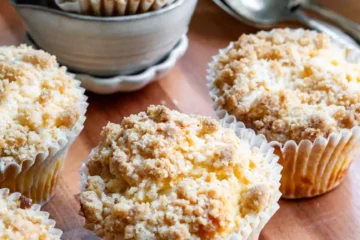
[(38, 103), (290, 84), (166, 175)]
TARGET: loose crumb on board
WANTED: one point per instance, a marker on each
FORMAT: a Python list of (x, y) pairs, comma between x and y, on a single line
[(175, 102)]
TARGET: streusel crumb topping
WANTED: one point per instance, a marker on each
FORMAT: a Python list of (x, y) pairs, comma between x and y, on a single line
[(19, 222), (290, 84), (162, 174), (37, 103)]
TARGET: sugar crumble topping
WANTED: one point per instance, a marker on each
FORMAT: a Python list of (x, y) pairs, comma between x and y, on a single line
[(162, 174), (290, 84), (37, 103), (19, 222)]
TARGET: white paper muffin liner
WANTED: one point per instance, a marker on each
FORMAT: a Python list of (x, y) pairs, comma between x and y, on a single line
[(111, 7), (309, 168), (252, 224), (53, 232), (36, 178)]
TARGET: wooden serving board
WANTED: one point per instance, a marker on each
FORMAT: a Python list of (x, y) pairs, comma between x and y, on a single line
[(335, 215)]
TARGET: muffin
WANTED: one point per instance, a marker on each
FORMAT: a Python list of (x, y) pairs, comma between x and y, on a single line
[(42, 111), (161, 174), (111, 7), (301, 90), (20, 220)]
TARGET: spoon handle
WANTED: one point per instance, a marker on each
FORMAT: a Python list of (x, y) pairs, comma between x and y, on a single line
[(349, 26), (335, 34)]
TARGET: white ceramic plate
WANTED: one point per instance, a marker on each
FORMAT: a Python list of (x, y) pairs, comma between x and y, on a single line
[(128, 83)]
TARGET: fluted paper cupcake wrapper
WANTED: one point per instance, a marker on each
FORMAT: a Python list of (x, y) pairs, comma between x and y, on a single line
[(309, 168), (252, 224), (53, 232), (36, 178), (111, 7)]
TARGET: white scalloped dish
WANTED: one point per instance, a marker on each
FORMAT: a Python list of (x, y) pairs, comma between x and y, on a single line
[(129, 83)]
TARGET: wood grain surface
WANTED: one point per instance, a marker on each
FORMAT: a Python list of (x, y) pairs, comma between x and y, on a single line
[(335, 215)]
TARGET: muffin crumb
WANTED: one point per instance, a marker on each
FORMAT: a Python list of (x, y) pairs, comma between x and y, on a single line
[(19, 221), (25, 202), (255, 198), (289, 84), (162, 174), (38, 103)]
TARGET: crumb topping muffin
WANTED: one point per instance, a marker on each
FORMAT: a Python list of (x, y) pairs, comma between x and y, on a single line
[(162, 174), (18, 221), (290, 84), (38, 103)]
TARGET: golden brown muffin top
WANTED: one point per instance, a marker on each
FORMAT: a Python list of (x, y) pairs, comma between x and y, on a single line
[(37, 103), (18, 221), (290, 84), (162, 174)]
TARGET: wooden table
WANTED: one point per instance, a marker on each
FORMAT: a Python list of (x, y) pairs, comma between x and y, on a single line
[(332, 216)]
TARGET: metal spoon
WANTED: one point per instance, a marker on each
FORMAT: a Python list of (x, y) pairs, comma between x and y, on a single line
[(349, 26), (267, 13)]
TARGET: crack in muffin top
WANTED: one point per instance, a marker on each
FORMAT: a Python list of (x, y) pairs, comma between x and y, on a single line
[(162, 174), (38, 103), (290, 84), (19, 222)]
